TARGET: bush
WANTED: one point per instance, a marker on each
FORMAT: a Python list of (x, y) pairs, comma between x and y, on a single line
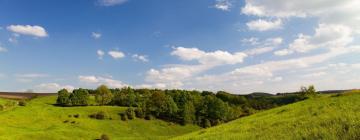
[(104, 137), (22, 103), (99, 115), (139, 113), (207, 123), (130, 113), (149, 117), (124, 117), (76, 115)]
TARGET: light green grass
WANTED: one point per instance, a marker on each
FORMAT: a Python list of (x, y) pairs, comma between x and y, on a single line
[(40, 120), (324, 117)]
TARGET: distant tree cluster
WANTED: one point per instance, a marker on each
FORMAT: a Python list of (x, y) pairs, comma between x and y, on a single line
[(204, 108), (79, 97)]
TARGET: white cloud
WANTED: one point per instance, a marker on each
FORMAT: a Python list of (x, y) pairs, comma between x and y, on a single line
[(88, 79), (209, 58), (52, 87), (327, 11), (99, 80), (96, 35), (100, 54), (326, 36), (32, 75), (173, 76), (316, 74), (283, 52), (116, 54), (29, 77), (35, 30), (264, 25), (265, 46), (2, 49), (138, 57), (224, 5), (266, 71), (111, 2)]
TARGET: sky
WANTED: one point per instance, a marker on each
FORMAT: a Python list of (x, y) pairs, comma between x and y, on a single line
[(240, 46)]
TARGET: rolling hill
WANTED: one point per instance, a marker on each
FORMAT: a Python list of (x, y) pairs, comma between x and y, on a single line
[(39, 119), (334, 116)]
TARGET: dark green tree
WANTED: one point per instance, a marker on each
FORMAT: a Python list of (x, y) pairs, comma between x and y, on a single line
[(63, 98)]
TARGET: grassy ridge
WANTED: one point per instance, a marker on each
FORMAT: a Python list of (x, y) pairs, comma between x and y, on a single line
[(324, 117), (39, 119)]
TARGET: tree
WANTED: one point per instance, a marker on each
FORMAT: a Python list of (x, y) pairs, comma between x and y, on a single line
[(103, 95), (309, 91), (189, 113), (79, 97), (63, 98)]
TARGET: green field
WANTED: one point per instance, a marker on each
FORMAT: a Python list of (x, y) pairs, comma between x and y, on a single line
[(39, 119), (324, 117)]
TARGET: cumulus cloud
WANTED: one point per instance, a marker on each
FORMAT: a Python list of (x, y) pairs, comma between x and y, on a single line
[(99, 80), (116, 54), (35, 30), (52, 87), (209, 58), (138, 57), (343, 12), (96, 35), (173, 76), (326, 36), (111, 2), (100, 54), (264, 25), (224, 5)]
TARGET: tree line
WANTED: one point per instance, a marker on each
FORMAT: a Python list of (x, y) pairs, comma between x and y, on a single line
[(203, 108)]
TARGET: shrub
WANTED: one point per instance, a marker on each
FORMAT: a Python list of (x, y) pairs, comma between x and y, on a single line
[(148, 117), (124, 117), (130, 113), (139, 113), (76, 115), (22, 103), (99, 115), (104, 137), (207, 123)]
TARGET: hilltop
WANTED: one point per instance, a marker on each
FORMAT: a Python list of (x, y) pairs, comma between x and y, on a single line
[(333, 116)]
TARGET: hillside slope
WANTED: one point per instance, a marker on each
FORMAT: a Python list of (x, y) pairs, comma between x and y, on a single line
[(40, 120), (324, 117)]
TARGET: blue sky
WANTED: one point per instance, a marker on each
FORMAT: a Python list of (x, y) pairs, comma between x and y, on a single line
[(234, 45)]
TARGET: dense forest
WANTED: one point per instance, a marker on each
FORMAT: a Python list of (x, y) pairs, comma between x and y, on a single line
[(203, 108)]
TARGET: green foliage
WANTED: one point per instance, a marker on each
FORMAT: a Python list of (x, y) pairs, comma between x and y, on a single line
[(103, 95), (22, 103), (79, 97), (104, 137), (186, 107), (130, 113), (189, 113), (63, 98), (139, 113), (207, 123), (308, 91)]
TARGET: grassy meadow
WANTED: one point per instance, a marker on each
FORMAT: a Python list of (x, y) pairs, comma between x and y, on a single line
[(39, 119), (323, 117)]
